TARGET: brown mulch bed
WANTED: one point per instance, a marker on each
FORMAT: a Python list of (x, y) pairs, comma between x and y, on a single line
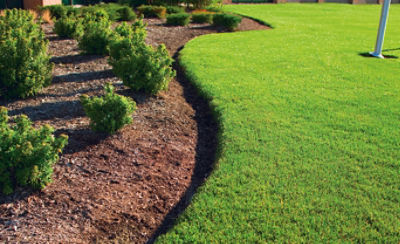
[(123, 186)]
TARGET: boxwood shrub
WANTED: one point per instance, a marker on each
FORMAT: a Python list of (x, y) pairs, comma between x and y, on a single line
[(228, 21), (202, 18), (181, 19), (25, 66), (149, 11), (126, 14), (110, 112), (174, 9), (27, 155)]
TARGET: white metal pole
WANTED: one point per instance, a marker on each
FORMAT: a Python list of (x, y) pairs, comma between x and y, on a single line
[(381, 32)]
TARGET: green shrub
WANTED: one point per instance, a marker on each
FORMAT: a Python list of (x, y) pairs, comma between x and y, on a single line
[(174, 9), (68, 27), (25, 66), (110, 112), (140, 66), (149, 11), (96, 37), (181, 19), (136, 32), (95, 13), (132, 3), (126, 14), (228, 21), (26, 154), (202, 18), (58, 11)]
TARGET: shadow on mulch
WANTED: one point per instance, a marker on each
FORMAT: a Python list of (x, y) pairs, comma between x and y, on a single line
[(52, 110), (80, 139), (206, 148), (75, 59), (84, 76)]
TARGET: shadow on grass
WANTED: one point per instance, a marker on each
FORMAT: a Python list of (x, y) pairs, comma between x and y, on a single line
[(368, 55), (206, 148)]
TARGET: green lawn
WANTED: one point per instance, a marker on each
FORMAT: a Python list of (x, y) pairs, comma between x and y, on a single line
[(310, 130)]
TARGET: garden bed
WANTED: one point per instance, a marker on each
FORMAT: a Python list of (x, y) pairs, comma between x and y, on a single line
[(121, 186)]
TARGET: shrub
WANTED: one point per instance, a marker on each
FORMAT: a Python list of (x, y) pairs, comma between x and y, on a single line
[(140, 66), (174, 9), (46, 16), (26, 154), (136, 32), (181, 19), (110, 112), (96, 37), (152, 11), (56, 11), (126, 14), (25, 66), (68, 27), (228, 21), (95, 13), (202, 18), (132, 3)]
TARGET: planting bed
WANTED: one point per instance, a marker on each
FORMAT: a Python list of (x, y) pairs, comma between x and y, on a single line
[(119, 187)]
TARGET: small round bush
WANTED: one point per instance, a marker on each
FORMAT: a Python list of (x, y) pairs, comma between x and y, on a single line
[(110, 112), (140, 66), (126, 14), (202, 18), (25, 66), (27, 154), (68, 27), (181, 19), (228, 21), (96, 37), (174, 9)]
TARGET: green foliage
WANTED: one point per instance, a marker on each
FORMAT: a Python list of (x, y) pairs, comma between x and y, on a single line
[(25, 66), (110, 112), (228, 21), (181, 19), (309, 133), (150, 11), (126, 14), (174, 9), (68, 27), (96, 14), (96, 37), (133, 3), (58, 11), (202, 18), (26, 154), (140, 66)]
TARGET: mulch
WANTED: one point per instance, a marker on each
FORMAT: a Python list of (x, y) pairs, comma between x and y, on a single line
[(125, 187)]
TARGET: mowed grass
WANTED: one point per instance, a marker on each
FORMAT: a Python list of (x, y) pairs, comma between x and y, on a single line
[(310, 130)]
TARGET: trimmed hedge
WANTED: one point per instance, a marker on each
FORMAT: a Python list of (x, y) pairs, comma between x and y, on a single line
[(228, 21), (181, 19), (202, 18)]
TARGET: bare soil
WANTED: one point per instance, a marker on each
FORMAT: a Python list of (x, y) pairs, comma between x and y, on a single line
[(125, 187)]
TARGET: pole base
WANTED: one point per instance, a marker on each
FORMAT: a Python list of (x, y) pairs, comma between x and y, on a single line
[(376, 55)]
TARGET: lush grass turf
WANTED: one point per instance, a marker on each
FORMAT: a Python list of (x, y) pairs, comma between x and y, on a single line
[(310, 130)]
